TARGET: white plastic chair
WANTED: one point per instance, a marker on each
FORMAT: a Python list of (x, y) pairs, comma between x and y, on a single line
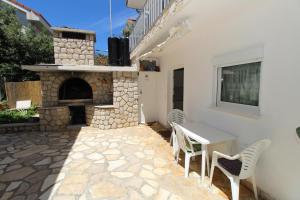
[(240, 166), (189, 147), (175, 116)]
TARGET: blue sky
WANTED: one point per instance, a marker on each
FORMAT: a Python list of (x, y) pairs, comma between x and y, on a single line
[(85, 14)]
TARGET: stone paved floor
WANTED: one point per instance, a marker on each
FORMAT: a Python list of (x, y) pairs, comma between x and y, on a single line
[(131, 163)]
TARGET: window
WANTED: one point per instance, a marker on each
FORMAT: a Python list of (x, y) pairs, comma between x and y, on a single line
[(238, 86)]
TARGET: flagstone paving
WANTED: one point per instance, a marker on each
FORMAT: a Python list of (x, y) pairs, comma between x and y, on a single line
[(129, 163)]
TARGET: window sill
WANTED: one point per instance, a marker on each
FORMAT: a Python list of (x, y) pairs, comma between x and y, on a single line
[(244, 114)]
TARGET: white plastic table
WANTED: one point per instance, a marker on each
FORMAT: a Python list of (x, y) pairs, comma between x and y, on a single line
[(205, 135)]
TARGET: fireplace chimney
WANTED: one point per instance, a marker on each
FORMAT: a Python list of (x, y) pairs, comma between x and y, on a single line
[(74, 46)]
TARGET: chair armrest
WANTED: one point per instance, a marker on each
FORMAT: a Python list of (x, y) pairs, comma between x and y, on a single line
[(217, 154)]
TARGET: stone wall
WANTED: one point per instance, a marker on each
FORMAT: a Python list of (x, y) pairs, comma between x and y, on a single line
[(101, 84), (54, 118), (73, 51), (19, 127), (124, 112), (115, 100)]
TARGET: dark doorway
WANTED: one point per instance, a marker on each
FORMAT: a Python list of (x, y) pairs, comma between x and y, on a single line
[(178, 88), (75, 88), (77, 115)]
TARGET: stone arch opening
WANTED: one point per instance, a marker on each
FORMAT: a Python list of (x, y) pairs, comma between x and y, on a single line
[(75, 88)]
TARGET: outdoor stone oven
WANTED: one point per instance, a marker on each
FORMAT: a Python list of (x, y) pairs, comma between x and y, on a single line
[(75, 88), (74, 92)]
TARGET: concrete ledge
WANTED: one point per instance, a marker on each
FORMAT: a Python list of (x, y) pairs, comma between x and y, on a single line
[(19, 124), (19, 127), (61, 29), (78, 68), (106, 106), (52, 107)]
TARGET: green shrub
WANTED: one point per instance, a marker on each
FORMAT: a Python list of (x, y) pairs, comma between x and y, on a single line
[(16, 116)]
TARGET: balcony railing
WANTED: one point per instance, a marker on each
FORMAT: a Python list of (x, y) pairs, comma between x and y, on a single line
[(148, 16)]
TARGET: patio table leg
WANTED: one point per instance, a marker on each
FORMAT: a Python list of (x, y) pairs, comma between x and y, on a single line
[(204, 152)]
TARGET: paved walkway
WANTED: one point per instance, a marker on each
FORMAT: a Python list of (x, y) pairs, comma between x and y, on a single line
[(131, 163)]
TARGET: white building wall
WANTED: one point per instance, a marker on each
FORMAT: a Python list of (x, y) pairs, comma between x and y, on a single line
[(148, 100), (224, 26)]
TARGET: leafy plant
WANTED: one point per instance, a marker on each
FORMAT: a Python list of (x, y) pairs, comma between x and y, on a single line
[(3, 105), (2, 92), (128, 27), (101, 59), (20, 45), (16, 116)]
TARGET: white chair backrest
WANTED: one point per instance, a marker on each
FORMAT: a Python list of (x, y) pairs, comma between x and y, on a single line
[(180, 136), (183, 140), (250, 156), (176, 116), (25, 104)]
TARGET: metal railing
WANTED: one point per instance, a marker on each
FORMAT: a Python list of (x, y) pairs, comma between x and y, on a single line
[(148, 16)]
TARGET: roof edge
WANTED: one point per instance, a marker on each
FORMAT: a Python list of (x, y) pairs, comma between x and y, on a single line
[(62, 29), (22, 6)]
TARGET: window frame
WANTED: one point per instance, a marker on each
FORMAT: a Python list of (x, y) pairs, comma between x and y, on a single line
[(235, 107)]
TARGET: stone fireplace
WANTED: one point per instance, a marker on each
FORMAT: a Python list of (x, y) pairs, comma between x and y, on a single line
[(76, 92), (75, 88)]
